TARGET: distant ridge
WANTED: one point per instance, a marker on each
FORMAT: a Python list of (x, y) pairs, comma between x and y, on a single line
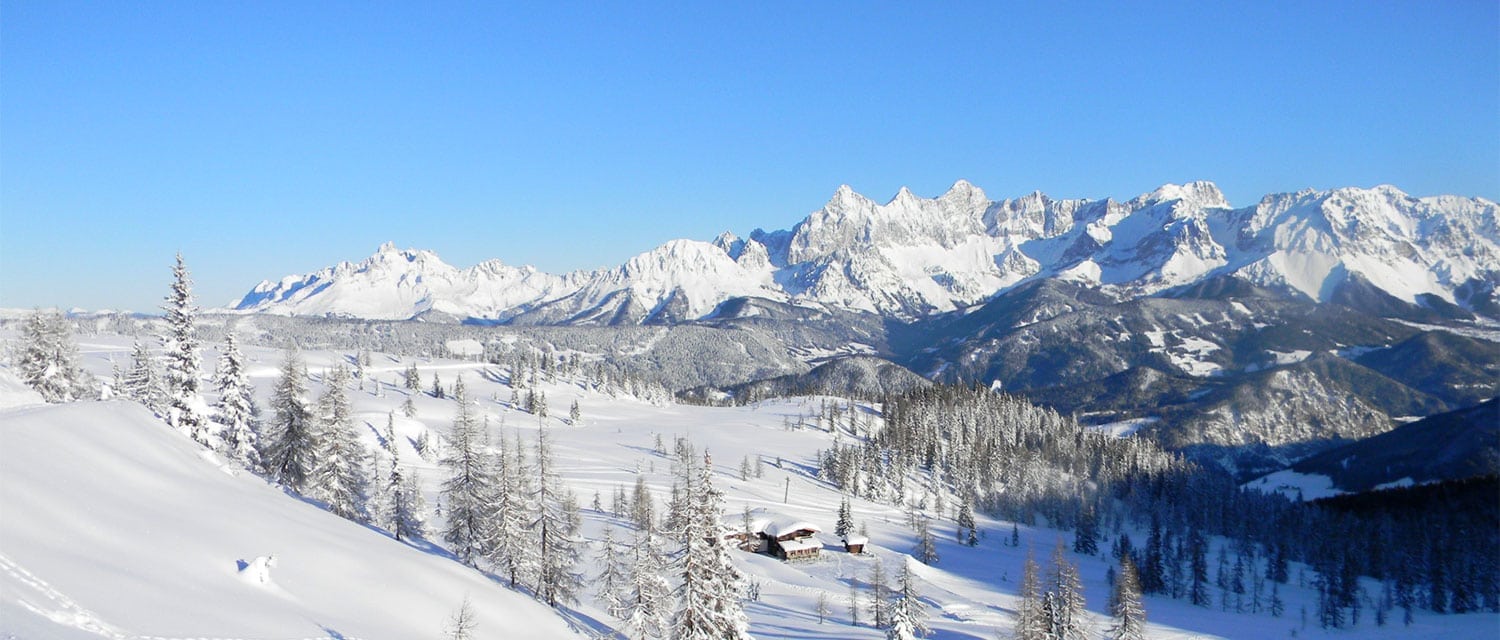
[(913, 257)]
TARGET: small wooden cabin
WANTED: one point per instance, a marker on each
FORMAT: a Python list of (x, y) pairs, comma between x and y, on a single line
[(855, 543)]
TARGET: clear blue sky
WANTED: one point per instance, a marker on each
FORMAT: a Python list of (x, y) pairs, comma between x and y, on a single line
[(269, 138)]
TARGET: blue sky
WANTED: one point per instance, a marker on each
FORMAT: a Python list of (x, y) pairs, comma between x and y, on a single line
[(269, 138)]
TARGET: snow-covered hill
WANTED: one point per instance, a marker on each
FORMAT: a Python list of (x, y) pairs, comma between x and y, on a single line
[(912, 257), (115, 526)]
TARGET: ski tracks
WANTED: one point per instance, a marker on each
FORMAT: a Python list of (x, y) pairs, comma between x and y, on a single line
[(41, 598)]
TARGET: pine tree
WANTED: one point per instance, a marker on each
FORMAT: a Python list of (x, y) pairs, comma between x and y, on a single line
[(879, 593), (339, 460), (289, 445), (968, 533), (641, 509), (554, 531), (575, 414), (408, 510), (540, 405), (908, 615), (185, 408), (509, 549), (853, 602), (1128, 612), (1068, 603), (1276, 569), (1198, 564), (1330, 614), (1086, 534), (411, 379), (1031, 624), (614, 581), (845, 524), (709, 597), (462, 623), (142, 382), (467, 491), (235, 409), (648, 606), (900, 627), (926, 549), (48, 359)]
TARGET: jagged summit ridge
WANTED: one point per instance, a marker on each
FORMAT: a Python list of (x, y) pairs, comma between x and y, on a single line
[(912, 256)]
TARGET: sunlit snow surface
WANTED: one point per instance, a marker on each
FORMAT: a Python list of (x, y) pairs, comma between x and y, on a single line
[(114, 526)]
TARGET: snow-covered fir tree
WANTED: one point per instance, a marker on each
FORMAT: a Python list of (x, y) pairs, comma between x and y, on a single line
[(1197, 548), (612, 587), (411, 379), (339, 462), (968, 532), (467, 493), (185, 409), (1066, 598), (1031, 622), (926, 548), (408, 408), (708, 606), (844, 525), (642, 509), (509, 549), (234, 410), (908, 615), (1128, 613), (649, 602), (289, 448), (1086, 534), (554, 530), (47, 360), (142, 382), (403, 508)]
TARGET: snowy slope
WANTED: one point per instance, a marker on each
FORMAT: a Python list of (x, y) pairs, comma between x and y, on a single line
[(913, 256), (132, 503), (115, 526), (1313, 241)]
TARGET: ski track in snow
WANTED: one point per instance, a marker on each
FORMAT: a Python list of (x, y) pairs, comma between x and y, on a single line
[(63, 610)]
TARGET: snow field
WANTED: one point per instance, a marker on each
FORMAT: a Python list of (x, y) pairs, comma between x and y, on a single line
[(350, 579)]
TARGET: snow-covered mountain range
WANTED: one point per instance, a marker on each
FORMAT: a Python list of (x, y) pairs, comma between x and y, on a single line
[(913, 257)]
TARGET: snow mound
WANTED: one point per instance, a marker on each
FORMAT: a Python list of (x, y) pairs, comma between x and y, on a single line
[(257, 571), (14, 393)]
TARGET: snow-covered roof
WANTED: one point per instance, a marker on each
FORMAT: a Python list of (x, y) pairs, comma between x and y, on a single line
[(779, 528), (800, 544), (856, 539)]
